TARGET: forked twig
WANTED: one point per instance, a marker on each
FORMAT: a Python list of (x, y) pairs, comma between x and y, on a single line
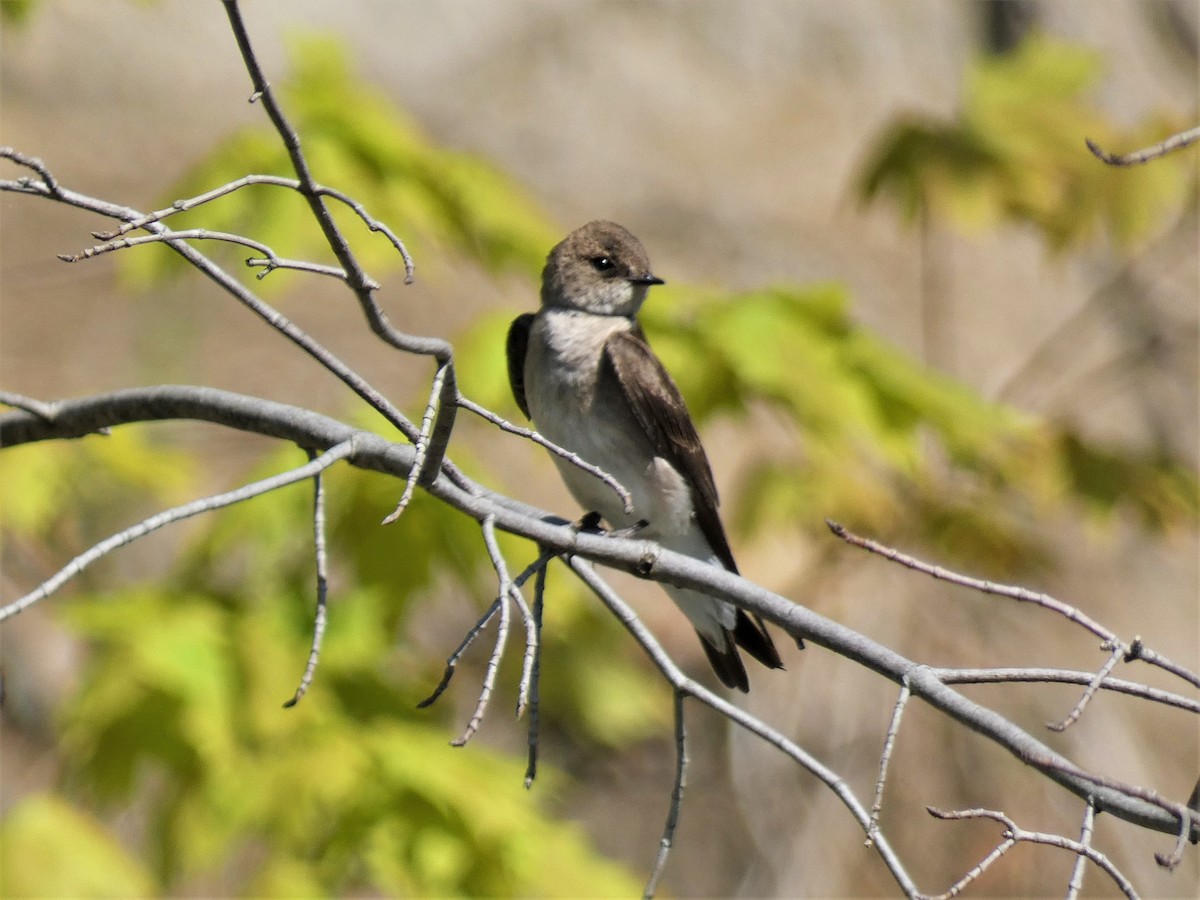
[(356, 278), (273, 181), (41, 409), (1014, 835), (166, 517), (269, 264), (738, 716), (1131, 651)]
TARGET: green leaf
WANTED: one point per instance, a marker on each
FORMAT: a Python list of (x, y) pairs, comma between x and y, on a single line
[(356, 141), (51, 849), (1016, 152)]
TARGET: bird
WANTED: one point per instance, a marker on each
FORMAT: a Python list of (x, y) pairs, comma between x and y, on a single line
[(582, 370)]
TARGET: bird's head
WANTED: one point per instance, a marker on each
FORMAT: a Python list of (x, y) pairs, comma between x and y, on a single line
[(600, 268)]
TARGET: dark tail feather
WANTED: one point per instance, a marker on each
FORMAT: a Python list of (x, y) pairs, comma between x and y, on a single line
[(751, 635), (727, 664)]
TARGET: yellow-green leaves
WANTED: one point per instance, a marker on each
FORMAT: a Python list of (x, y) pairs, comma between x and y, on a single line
[(1016, 153), (437, 200), (49, 848)]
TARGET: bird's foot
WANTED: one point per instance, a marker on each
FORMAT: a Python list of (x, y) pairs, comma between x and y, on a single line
[(590, 523), (630, 531)]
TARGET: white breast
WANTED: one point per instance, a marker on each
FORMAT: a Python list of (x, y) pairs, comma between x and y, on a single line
[(576, 409)]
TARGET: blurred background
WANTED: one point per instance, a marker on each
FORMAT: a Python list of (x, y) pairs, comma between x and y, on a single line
[(901, 294)]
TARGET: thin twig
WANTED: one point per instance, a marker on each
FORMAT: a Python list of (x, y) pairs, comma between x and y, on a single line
[(573, 458), (1014, 834), (273, 181), (493, 665), (1131, 651), (1093, 686), (454, 658), (1139, 651), (885, 757), (166, 517), (738, 716), (452, 661), (1064, 676), (49, 183), (506, 586), (269, 264), (681, 763), (421, 446), (314, 652), (1187, 818), (41, 409), (1162, 148), (356, 277), (539, 595), (987, 587), (238, 291), (1075, 883)]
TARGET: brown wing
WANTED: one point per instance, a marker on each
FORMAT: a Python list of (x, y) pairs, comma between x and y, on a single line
[(660, 410), (518, 344)]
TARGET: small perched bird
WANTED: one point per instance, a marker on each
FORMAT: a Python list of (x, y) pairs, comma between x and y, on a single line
[(582, 370)]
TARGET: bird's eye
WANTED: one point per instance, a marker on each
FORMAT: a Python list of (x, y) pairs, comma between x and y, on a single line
[(601, 263)]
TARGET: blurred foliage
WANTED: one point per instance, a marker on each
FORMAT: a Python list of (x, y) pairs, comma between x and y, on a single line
[(15, 12), (444, 200), (49, 848), (1016, 153), (869, 437), (354, 791)]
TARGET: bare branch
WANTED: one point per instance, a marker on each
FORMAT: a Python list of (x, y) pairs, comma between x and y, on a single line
[(488, 525), (681, 763), (1014, 835), (424, 441), (1139, 651), (1065, 676), (356, 277), (314, 652), (1162, 148), (687, 686), (305, 428), (885, 757), (1075, 884), (978, 584), (452, 661), (166, 517), (1132, 651), (269, 264), (508, 587), (1093, 686), (273, 181), (539, 596), (40, 409), (49, 185)]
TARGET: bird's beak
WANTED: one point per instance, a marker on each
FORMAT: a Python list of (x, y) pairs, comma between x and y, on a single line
[(646, 279)]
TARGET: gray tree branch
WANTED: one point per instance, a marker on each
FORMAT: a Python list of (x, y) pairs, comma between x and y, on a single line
[(77, 418)]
